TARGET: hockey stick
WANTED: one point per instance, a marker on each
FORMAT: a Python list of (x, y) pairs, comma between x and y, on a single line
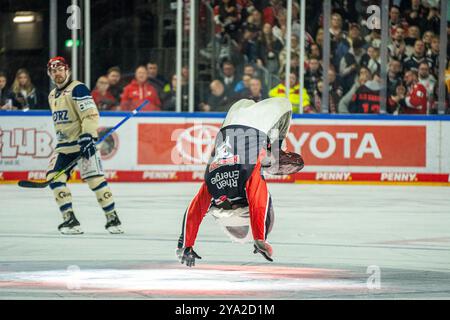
[(35, 184)]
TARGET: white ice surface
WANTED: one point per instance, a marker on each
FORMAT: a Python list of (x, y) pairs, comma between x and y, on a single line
[(405, 231)]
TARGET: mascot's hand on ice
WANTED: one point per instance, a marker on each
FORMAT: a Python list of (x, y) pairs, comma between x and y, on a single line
[(187, 255), (287, 163)]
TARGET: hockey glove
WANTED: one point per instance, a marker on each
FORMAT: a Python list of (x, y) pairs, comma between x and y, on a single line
[(87, 145), (188, 255)]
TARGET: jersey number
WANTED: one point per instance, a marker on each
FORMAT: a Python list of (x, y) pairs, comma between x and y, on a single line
[(374, 109)]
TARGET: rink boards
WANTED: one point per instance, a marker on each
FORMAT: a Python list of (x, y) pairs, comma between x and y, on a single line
[(175, 147)]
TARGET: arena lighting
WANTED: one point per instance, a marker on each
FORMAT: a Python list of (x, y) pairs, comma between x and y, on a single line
[(23, 17)]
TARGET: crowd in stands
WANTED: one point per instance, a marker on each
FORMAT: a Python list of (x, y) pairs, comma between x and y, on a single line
[(22, 94), (251, 37)]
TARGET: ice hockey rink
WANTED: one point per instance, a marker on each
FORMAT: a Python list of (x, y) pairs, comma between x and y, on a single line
[(330, 242)]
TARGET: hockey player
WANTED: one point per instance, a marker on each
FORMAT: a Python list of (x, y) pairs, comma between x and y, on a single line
[(235, 192), (75, 117)]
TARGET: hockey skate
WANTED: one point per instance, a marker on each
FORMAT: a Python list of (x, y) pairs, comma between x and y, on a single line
[(264, 248), (70, 224), (113, 223)]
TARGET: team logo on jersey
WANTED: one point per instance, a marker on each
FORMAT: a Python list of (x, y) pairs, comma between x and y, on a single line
[(224, 156), (60, 116), (86, 104), (60, 136)]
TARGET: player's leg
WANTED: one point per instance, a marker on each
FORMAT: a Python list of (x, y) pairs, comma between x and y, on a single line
[(62, 193), (92, 173), (261, 211)]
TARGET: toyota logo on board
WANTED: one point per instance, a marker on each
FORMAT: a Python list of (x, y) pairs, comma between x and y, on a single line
[(195, 144)]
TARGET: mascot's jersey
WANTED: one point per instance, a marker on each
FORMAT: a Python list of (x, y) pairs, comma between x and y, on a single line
[(74, 113), (246, 133)]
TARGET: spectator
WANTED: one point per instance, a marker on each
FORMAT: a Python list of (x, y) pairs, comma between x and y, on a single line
[(252, 71), (295, 61), (25, 95), (367, 97), (243, 85), (338, 41), (427, 80), (315, 52), (336, 91), (185, 89), (226, 17), (139, 90), (395, 98), (295, 50), (279, 30), (435, 106), (319, 38), (354, 34), (433, 53), (349, 63), (294, 92), (336, 31), (103, 97), (184, 75), (373, 38), (364, 75), (415, 101), (425, 18), (412, 62), (6, 97), (316, 106), (229, 79), (416, 13), (346, 9), (280, 33), (256, 19), (217, 100), (249, 69), (313, 75), (154, 78), (270, 49), (426, 38), (410, 40), (371, 59), (395, 19), (397, 48), (394, 76), (251, 46), (270, 12), (432, 21), (115, 86), (254, 91), (169, 96)]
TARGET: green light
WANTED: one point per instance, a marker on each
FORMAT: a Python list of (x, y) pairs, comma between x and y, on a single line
[(69, 43)]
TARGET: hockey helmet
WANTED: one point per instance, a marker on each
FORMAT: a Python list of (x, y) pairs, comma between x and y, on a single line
[(57, 62)]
